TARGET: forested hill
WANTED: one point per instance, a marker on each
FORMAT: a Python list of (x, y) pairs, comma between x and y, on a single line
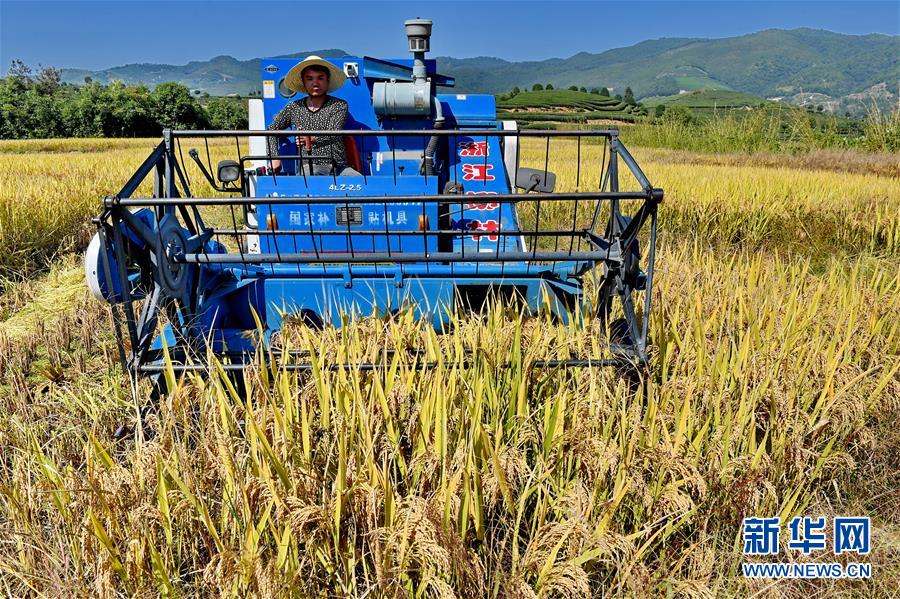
[(768, 63), (218, 76)]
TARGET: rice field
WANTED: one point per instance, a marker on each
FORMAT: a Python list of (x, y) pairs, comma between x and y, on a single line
[(773, 389)]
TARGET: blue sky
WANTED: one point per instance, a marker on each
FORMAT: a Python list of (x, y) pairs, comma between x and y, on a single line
[(96, 35)]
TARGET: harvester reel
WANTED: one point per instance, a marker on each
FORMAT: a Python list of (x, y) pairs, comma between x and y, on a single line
[(632, 265), (173, 276), (629, 272)]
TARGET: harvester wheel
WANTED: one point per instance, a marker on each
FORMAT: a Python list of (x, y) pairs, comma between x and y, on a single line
[(172, 275)]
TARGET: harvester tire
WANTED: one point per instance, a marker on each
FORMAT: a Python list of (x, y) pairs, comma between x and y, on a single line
[(173, 276)]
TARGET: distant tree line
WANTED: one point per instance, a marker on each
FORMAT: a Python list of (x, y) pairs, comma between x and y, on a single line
[(37, 105)]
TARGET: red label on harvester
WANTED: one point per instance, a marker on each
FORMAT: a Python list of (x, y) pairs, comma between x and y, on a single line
[(477, 172), (473, 148), (488, 206), (485, 226)]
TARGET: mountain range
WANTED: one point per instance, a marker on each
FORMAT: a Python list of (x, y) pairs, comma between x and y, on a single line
[(771, 63)]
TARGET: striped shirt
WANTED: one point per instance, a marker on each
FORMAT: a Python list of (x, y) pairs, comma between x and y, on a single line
[(331, 116)]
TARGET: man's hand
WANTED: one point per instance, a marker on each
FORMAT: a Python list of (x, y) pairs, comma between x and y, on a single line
[(308, 141), (276, 165)]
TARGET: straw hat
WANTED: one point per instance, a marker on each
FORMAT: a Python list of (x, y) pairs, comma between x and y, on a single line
[(294, 79)]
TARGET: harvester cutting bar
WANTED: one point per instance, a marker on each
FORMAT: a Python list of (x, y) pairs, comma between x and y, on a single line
[(374, 366)]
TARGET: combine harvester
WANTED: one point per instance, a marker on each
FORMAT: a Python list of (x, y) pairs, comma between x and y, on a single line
[(442, 217)]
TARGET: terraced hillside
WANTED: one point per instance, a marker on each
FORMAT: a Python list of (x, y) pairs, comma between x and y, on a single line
[(706, 99), (565, 106)]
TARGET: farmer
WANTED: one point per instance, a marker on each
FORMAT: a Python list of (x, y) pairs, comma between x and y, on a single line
[(317, 111)]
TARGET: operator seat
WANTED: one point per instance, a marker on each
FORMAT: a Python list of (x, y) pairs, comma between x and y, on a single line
[(286, 147)]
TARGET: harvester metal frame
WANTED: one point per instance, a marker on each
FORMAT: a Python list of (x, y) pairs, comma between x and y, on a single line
[(174, 253)]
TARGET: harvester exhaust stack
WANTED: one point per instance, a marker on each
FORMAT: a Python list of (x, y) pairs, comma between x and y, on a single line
[(418, 32), (442, 215)]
